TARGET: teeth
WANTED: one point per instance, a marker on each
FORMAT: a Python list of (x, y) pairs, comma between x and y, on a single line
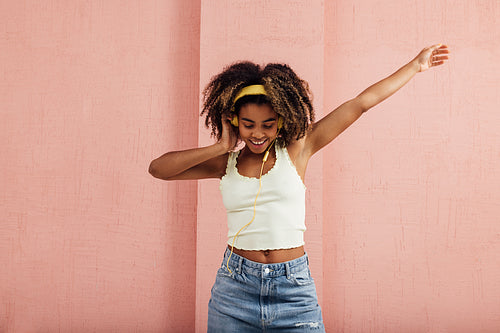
[(257, 142)]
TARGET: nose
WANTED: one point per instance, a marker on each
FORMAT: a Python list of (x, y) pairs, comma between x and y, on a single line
[(257, 133)]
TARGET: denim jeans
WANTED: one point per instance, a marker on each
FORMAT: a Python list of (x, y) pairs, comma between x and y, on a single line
[(259, 297)]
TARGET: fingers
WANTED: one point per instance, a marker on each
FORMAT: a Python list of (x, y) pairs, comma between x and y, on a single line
[(439, 54), (439, 49), (229, 137), (226, 123)]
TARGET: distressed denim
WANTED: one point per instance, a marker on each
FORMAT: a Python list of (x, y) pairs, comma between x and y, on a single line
[(257, 297)]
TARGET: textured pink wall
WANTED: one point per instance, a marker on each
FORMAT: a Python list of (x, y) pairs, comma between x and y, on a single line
[(403, 227), (91, 91), (413, 243)]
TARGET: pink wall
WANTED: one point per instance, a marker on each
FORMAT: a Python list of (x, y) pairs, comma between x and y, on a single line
[(91, 91), (403, 226), (413, 243)]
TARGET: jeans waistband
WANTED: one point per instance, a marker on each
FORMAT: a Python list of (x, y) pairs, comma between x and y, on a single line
[(239, 264)]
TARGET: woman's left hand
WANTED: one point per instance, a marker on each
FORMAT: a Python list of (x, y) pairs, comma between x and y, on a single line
[(431, 56)]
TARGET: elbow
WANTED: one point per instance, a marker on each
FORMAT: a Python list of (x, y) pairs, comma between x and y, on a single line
[(154, 170), (357, 106), (363, 103), (363, 108)]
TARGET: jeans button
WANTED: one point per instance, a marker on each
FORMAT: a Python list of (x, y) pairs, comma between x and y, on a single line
[(266, 270)]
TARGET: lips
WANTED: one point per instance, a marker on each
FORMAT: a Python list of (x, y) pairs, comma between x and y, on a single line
[(258, 143)]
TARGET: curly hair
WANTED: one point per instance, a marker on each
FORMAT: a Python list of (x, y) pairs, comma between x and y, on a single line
[(287, 94)]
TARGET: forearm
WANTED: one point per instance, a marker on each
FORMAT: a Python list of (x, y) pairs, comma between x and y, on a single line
[(381, 90), (174, 163)]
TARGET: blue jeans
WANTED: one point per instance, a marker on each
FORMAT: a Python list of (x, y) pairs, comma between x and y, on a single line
[(259, 297)]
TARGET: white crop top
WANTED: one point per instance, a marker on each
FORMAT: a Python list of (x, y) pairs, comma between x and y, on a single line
[(280, 212)]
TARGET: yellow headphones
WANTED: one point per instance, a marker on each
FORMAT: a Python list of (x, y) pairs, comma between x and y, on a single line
[(256, 89), (235, 122)]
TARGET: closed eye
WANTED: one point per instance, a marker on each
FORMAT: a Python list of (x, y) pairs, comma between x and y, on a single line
[(264, 126)]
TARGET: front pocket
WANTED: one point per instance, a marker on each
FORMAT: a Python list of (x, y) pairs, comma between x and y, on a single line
[(302, 278), (224, 272)]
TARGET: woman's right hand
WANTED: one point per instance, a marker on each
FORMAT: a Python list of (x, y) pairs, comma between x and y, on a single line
[(229, 139)]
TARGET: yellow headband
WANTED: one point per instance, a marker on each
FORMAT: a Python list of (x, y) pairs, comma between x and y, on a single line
[(256, 89)]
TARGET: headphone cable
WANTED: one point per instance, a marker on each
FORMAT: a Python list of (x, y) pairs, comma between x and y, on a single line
[(266, 155)]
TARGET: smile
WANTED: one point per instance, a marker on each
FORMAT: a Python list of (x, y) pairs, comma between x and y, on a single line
[(258, 143)]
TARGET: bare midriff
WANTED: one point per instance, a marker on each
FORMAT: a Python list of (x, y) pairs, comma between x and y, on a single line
[(270, 256)]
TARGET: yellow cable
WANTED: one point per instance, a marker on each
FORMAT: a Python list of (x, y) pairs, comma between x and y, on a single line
[(254, 205)]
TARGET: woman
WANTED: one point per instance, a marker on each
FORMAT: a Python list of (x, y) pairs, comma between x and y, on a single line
[(264, 282)]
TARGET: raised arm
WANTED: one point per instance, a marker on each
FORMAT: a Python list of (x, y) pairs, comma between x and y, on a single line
[(329, 127), (196, 163)]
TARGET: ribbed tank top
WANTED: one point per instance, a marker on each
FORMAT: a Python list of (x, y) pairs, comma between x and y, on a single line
[(280, 214)]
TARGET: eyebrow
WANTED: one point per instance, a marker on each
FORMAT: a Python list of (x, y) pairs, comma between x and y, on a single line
[(265, 121)]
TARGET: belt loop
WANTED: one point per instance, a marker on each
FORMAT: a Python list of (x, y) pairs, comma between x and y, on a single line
[(287, 269), (240, 263)]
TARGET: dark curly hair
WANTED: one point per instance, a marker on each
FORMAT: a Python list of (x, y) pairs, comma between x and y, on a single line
[(287, 94)]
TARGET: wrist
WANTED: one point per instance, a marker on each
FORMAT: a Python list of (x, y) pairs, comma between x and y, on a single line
[(414, 65), (220, 148)]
